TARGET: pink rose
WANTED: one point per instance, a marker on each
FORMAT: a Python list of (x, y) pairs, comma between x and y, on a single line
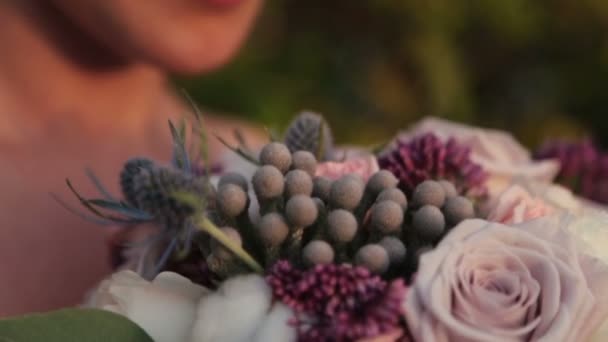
[(500, 155), (516, 205), (363, 166), (491, 282)]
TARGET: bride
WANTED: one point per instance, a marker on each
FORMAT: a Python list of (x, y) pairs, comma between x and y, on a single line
[(84, 83)]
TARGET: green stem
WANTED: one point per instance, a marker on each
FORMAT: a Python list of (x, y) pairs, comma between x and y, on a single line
[(205, 225)]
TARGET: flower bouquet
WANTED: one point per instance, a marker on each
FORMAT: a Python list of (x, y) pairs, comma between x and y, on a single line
[(446, 233)]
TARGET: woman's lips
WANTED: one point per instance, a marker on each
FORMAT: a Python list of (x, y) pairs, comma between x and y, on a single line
[(223, 3)]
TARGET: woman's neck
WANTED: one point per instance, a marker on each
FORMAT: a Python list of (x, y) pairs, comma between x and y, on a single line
[(50, 72)]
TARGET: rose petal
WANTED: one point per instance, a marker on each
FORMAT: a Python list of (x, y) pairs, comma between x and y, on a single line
[(490, 282)]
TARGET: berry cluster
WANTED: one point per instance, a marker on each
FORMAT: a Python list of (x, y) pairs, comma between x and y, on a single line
[(286, 212), (313, 220)]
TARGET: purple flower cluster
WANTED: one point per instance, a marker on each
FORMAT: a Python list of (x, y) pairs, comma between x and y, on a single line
[(427, 157), (584, 168), (338, 302)]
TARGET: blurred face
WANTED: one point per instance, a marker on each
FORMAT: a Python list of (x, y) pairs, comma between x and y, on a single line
[(184, 36)]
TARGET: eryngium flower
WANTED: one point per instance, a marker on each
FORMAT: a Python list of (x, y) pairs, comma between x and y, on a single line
[(338, 302), (155, 189), (309, 132), (131, 169), (583, 168), (427, 157)]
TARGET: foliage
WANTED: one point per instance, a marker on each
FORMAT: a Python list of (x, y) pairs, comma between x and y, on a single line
[(72, 325), (378, 65)]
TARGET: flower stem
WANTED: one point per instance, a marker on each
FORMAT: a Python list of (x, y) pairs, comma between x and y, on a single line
[(207, 226)]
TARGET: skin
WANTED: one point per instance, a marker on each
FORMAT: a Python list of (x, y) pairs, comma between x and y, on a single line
[(83, 84)]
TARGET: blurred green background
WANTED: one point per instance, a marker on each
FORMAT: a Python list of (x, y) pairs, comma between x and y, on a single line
[(538, 68)]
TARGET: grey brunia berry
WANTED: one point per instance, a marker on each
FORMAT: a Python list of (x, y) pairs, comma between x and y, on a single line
[(277, 155), (321, 187), (395, 195), (380, 181), (305, 161), (231, 200), (347, 192), (373, 257), (428, 223), (387, 217), (341, 225), (318, 252), (301, 211), (395, 248), (449, 188), (268, 182), (457, 209), (298, 182), (272, 229), (428, 193)]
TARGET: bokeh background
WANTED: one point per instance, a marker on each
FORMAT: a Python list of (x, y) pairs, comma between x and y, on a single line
[(537, 68)]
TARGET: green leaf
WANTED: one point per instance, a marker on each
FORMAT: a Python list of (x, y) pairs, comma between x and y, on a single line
[(72, 325)]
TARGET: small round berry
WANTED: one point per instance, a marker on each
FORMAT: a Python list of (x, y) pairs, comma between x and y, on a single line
[(234, 178), (341, 225), (268, 182), (457, 209), (301, 211), (273, 229), (321, 187), (394, 195), (277, 155), (395, 248), (373, 257), (380, 181), (347, 192), (428, 193), (428, 223), (297, 182), (387, 217), (219, 250), (320, 205), (449, 188), (306, 161), (318, 252), (231, 200)]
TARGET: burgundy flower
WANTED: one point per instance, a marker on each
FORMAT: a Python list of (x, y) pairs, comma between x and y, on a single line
[(427, 157), (583, 167), (338, 302)]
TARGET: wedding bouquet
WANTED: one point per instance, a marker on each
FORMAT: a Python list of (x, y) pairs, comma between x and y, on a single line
[(446, 233)]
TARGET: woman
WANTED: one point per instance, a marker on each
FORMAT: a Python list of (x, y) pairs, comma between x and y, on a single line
[(83, 83)]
